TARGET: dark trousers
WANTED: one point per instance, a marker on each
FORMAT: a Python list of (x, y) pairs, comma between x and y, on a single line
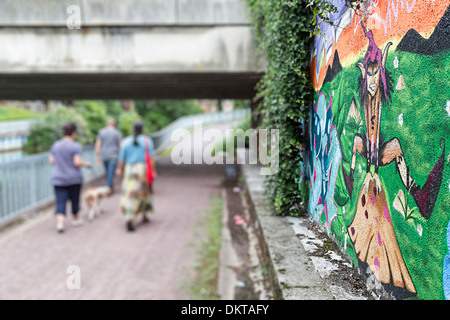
[(64, 193), (110, 168)]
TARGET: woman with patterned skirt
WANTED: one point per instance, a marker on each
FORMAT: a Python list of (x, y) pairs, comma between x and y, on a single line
[(135, 196)]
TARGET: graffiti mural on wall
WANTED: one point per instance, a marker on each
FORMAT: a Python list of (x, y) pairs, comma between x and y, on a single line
[(377, 142), (325, 158)]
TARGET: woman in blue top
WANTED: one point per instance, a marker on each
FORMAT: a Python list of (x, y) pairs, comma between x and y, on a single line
[(135, 194)]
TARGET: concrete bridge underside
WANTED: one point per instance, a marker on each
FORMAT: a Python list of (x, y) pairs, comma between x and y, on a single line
[(52, 86), (141, 49)]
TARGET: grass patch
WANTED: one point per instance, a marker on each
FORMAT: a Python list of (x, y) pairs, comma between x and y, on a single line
[(204, 284), (12, 113)]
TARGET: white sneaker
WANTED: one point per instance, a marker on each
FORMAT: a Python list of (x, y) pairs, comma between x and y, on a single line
[(60, 227), (77, 223), (60, 222)]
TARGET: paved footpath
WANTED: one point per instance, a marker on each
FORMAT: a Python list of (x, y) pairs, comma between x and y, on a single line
[(154, 262)]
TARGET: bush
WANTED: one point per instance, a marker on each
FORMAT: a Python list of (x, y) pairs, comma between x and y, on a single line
[(49, 128)]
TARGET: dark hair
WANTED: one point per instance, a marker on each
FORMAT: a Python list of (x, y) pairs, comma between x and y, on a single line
[(69, 128), (137, 130)]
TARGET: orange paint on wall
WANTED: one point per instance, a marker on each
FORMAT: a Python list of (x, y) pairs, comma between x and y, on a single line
[(423, 17)]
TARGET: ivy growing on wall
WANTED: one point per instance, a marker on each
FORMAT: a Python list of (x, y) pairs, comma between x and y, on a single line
[(282, 30)]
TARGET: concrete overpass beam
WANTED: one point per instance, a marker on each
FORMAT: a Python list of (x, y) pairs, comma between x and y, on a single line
[(138, 49), (124, 12)]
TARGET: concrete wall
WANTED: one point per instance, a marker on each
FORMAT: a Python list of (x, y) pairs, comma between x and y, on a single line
[(125, 35), (378, 155), (127, 49), (124, 12)]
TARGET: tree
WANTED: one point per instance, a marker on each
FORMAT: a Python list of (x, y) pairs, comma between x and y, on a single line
[(126, 120), (113, 108), (94, 112)]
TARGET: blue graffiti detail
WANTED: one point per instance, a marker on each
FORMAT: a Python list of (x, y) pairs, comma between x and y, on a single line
[(324, 160), (446, 269)]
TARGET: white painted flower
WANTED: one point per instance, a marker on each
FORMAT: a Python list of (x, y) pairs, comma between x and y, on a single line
[(343, 131), (419, 229), (395, 63), (448, 108), (343, 210), (400, 119), (359, 168)]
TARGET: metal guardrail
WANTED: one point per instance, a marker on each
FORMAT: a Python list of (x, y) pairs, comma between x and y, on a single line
[(163, 137), (25, 184), (14, 126), (14, 134)]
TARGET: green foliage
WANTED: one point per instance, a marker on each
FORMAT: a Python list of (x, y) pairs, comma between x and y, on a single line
[(49, 128), (282, 29), (126, 120), (91, 116), (113, 108), (159, 113), (241, 104), (94, 112)]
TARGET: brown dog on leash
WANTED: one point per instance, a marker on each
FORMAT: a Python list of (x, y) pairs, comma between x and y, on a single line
[(94, 197)]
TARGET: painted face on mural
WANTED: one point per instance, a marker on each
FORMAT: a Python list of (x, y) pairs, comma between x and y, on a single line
[(373, 78)]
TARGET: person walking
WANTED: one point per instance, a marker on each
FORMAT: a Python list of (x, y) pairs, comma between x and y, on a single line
[(135, 195), (66, 177), (107, 147)]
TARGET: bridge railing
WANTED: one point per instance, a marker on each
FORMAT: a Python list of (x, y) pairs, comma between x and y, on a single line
[(163, 137), (25, 184), (13, 134), (12, 126)]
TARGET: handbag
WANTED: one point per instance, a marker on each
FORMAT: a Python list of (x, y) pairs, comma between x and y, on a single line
[(148, 161)]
